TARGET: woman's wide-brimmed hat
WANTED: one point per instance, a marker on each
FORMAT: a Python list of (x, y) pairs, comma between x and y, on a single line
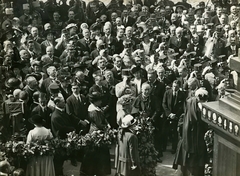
[(95, 96), (128, 121), (125, 100), (36, 119)]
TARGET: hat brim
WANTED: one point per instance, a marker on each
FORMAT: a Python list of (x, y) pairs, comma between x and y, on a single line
[(32, 121), (125, 126)]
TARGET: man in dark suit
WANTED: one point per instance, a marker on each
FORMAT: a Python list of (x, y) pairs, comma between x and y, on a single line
[(178, 42), (126, 19), (215, 19), (156, 95), (102, 89), (119, 41), (84, 43), (52, 72), (42, 110), (117, 68), (61, 124), (30, 88), (195, 46), (173, 103), (76, 106), (232, 49), (109, 39)]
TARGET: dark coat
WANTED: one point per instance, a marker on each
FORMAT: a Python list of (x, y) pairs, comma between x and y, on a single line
[(46, 114), (215, 20), (61, 124), (120, 47), (229, 51), (129, 22), (176, 45), (173, 107), (76, 108), (192, 148), (84, 45)]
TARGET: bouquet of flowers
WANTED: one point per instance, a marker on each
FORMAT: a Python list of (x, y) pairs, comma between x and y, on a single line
[(209, 143), (147, 152), (99, 138)]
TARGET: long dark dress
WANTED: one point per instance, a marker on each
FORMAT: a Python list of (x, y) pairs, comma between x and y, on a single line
[(97, 161), (191, 153)]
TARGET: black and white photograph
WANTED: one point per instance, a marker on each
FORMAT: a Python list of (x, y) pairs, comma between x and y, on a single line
[(119, 87)]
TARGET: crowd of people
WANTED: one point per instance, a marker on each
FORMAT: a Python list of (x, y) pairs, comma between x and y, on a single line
[(86, 67)]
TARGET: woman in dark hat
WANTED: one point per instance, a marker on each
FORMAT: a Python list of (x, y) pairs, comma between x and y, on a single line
[(96, 162), (39, 165), (49, 35)]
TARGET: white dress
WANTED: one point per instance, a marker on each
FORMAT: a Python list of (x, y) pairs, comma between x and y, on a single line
[(40, 165)]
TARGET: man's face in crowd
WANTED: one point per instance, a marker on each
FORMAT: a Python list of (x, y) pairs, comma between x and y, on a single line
[(24, 54), (233, 9), (125, 13), (119, 21), (114, 16), (86, 33), (75, 89), (42, 101), (71, 15), (195, 39), (56, 16), (98, 80), (49, 51), (174, 17), (53, 72), (34, 32), (103, 18), (173, 30), (108, 76), (144, 9), (233, 25), (175, 87), (178, 34), (73, 30), (160, 73), (30, 45), (120, 33), (102, 63), (118, 62), (129, 32), (146, 90), (219, 11), (182, 73), (37, 69), (193, 29), (107, 30), (151, 77), (223, 19), (138, 61)]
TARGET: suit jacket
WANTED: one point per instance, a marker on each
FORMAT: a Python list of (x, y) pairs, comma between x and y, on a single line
[(229, 51), (120, 47), (175, 107), (46, 114), (215, 20), (76, 108), (153, 47), (198, 50), (176, 45), (129, 21), (61, 124), (117, 73), (84, 45)]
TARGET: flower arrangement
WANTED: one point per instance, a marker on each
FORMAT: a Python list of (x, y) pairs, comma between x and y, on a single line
[(18, 149), (147, 152), (209, 143)]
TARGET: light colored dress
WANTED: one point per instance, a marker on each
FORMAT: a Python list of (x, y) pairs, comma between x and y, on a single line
[(40, 165)]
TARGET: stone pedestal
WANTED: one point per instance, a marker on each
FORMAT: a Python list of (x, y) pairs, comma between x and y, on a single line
[(224, 117)]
